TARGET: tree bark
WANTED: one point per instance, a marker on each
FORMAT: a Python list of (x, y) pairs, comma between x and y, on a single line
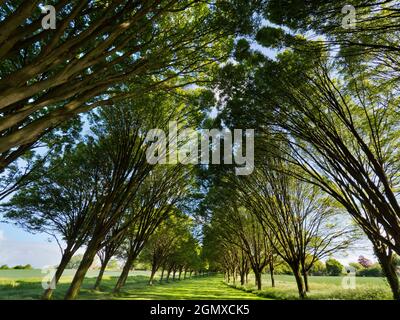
[(257, 275), (389, 270), (168, 274), (84, 266), (101, 273), (271, 272), (66, 257), (299, 282), (124, 274), (153, 272), (305, 277), (242, 275), (162, 274)]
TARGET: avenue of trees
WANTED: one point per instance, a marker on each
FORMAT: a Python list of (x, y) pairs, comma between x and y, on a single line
[(321, 93)]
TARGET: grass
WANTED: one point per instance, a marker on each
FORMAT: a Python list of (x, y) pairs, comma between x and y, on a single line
[(366, 288), (26, 284)]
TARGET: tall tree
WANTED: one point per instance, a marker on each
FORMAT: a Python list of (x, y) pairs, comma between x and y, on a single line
[(60, 203), (97, 50)]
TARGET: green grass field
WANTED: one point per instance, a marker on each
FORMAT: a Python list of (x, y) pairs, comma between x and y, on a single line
[(321, 287), (26, 284)]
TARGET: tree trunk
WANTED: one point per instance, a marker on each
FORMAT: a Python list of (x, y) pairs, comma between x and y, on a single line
[(389, 270), (299, 282), (247, 277), (168, 274), (180, 273), (173, 274), (66, 257), (305, 277), (151, 277), (162, 274), (257, 275), (184, 275), (101, 273), (84, 266), (153, 272), (125, 273), (271, 272), (242, 277)]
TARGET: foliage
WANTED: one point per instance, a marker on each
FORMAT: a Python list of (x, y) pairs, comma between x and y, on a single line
[(333, 267), (364, 262), (23, 267), (373, 270), (74, 262)]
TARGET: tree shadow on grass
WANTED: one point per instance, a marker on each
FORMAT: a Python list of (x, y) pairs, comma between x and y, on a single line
[(136, 288)]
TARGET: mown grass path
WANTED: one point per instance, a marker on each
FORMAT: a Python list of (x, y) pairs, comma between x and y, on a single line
[(199, 288)]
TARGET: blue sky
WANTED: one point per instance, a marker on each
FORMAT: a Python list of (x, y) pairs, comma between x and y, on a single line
[(20, 247)]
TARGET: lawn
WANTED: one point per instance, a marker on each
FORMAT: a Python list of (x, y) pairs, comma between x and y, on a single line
[(321, 287), (26, 284)]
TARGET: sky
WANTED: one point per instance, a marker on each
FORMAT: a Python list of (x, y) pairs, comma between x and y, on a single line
[(19, 247)]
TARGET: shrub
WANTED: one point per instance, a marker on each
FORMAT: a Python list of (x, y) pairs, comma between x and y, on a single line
[(333, 267), (283, 268), (23, 267), (356, 266), (373, 271), (318, 268), (4, 267)]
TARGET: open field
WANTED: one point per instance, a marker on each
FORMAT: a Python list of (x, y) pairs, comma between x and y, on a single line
[(321, 287), (26, 284)]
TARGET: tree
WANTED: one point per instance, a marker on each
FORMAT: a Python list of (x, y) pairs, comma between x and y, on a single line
[(329, 128), (301, 220), (318, 268), (160, 245), (60, 203), (123, 168), (97, 51), (155, 200), (112, 241), (364, 262), (236, 226), (239, 227), (361, 175), (172, 246), (74, 262), (333, 267)]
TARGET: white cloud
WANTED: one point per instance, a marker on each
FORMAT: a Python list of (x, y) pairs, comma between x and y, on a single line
[(38, 254)]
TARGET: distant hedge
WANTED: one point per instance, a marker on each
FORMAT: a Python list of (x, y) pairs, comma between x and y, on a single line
[(17, 267)]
